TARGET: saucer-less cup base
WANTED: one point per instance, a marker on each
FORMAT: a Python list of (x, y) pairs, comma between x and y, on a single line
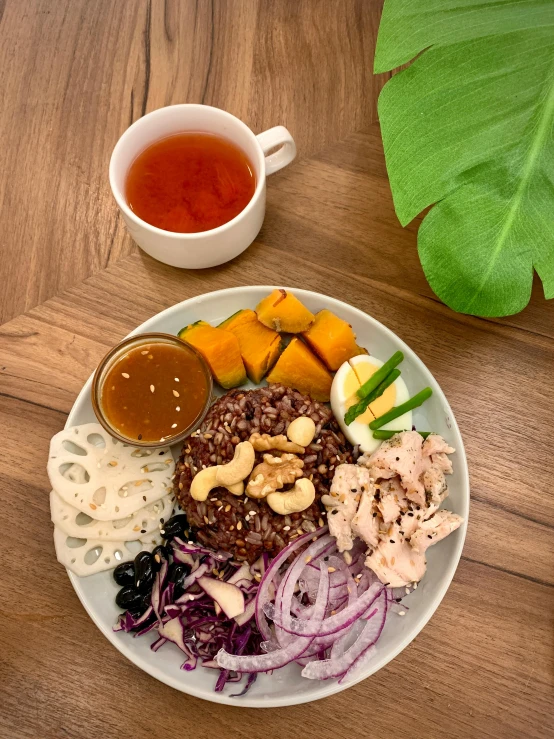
[(219, 245)]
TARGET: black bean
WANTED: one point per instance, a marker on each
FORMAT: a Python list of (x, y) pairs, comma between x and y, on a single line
[(176, 526), (144, 570), (124, 574), (145, 602), (129, 599)]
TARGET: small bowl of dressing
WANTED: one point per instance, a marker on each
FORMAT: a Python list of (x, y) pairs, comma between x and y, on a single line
[(151, 390)]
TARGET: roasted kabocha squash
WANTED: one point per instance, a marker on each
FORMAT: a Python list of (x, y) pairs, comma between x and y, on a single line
[(299, 368), (221, 351), (259, 345), (282, 311), (332, 339)]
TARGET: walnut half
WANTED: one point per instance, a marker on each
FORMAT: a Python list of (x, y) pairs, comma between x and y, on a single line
[(273, 474)]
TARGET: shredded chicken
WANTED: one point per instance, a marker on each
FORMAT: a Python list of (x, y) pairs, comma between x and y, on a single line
[(400, 456), (396, 563), (434, 529), (365, 524), (349, 482), (390, 500)]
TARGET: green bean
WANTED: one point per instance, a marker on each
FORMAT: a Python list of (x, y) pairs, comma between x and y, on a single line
[(378, 376), (399, 410), (356, 410), (382, 434)]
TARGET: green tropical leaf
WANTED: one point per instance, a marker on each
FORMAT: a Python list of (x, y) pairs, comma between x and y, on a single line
[(468, 128)]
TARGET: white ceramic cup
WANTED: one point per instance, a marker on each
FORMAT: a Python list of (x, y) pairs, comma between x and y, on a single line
[(218, 245)]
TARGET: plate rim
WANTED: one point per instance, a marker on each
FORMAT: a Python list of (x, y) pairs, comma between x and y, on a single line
[(327, 688)]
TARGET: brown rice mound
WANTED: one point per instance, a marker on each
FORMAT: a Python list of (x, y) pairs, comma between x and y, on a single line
[(219, 522)]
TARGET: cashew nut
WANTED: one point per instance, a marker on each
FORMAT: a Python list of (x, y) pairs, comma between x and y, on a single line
[(239, 467), (205, 480), (301, 431), (300, 497), (264, 442)]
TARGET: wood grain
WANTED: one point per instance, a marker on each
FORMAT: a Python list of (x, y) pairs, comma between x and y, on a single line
[(75, 73), (75, 285)]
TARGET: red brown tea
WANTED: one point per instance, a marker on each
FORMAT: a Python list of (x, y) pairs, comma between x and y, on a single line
[(190, 182)]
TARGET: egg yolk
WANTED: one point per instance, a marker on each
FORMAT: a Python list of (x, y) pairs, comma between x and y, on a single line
[(360, 373)]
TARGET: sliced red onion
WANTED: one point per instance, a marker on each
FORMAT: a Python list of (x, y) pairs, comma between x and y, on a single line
[(340, 665), (332, 624), (283, 599), (272, 571), (280, 657)]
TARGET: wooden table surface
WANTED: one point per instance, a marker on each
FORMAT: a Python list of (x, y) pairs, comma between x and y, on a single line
[(73, 75)]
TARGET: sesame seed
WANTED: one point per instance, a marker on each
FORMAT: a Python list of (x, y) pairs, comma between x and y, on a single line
[(393, 560), (178, 408), (206, 520), (207, 436), (150, 356), (145, 352), (231, 528), (152, 388), (429, 536), (213, 500), (391, 541), (401, 613), (176, 379), (239, 526), (175, 393), (331, 569), (125, 375), (227, 508), (308, 559), (173, 425), (320, 522), (286, 528)]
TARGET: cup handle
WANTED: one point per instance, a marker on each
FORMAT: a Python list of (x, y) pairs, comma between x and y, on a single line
[(277, 136)]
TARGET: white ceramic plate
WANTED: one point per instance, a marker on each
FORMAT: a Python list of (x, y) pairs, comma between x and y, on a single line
[(286, 686)]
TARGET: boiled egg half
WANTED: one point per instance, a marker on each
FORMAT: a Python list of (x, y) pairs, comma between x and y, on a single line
[(349, 378)]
